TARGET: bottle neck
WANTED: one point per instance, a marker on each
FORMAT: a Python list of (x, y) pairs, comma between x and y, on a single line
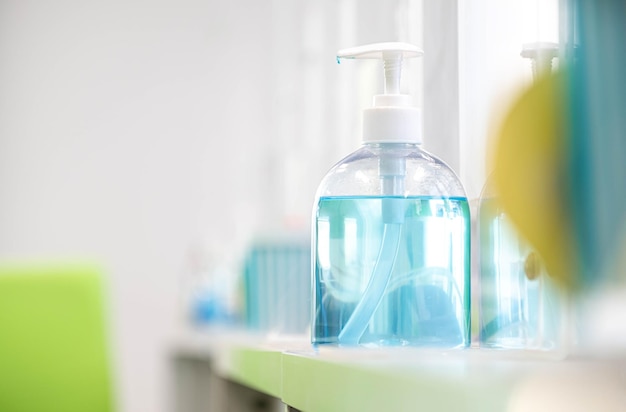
[(392, 145)]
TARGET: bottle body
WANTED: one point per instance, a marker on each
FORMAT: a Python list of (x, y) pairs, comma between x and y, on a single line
[(520, 307), (391, 251)]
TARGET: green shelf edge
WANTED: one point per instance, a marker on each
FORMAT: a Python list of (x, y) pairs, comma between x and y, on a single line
[(373, 381), (311, 384), (258, 369)]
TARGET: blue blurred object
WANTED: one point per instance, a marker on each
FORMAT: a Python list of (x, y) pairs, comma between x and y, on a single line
[(211, 307), (277, 285)]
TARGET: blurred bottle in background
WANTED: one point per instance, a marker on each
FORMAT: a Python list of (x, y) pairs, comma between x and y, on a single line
[(209, 290)]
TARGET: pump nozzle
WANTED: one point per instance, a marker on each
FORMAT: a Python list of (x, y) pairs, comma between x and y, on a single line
[(392, 119), (389, 50), (391, 54)]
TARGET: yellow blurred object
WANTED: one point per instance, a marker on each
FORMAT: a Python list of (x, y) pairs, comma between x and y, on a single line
[(531, 174)]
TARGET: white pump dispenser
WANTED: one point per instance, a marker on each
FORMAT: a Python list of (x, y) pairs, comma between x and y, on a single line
[(392, 119)]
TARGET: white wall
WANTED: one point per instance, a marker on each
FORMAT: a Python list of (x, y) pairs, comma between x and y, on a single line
[(121, 128)]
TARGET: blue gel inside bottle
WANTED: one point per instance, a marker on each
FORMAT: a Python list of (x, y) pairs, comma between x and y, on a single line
[(379, 283)]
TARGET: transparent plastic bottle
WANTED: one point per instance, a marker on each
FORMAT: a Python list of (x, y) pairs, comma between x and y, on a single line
[(520, 306), (391, 236)]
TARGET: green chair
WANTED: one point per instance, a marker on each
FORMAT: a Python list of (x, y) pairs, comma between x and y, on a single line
[(53, 347)]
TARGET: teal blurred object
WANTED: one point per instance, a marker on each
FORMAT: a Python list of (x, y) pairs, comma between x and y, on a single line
[(277, 285), (596, 52), (53, 346)]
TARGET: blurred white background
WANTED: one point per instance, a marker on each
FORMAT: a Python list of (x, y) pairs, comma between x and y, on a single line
[(132, 132)]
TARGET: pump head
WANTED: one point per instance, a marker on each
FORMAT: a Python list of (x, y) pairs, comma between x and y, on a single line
[(392, 119), (541, 56)]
